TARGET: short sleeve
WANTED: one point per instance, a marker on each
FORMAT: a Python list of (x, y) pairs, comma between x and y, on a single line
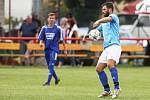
[(61, 34), (114, 17), (42, 34), (99, 28)]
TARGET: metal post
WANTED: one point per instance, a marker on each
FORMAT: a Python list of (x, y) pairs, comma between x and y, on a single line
[(9, 17), (58, 11)]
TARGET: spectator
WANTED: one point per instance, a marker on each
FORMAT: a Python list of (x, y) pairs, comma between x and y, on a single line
[(73, 29), (73, 32), (90, 26), (64, 26), (28, 29), (36, 20)]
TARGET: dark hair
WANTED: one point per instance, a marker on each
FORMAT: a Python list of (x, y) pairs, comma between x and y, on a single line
[(69, 15), (108, 5), (51, 14)]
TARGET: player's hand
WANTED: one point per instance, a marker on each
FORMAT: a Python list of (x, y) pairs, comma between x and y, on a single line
[(96, 24), (41, 45)]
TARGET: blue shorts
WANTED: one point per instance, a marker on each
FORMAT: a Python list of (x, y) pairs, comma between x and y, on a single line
[(51, 57)]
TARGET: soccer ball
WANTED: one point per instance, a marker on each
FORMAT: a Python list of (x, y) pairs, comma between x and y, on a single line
[(94, 34)]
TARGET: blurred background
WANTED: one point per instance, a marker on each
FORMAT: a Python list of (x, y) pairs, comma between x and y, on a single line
[(22, 63), (134, 18), (83, 10)]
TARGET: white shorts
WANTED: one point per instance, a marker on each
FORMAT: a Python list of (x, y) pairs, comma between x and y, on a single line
[(111, 52)]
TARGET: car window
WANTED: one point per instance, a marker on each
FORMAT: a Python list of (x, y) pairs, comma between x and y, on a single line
[(127, 19), (124, 35), (144, 21)]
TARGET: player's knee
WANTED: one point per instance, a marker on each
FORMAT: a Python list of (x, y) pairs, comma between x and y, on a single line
[(100, 67), (98, 70), (111, 63)]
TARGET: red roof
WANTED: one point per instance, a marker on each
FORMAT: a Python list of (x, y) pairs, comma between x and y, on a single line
[(131, 7)]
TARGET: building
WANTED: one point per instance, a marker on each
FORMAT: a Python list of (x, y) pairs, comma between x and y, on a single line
[(1, 11), (36, 7), (42, 7)]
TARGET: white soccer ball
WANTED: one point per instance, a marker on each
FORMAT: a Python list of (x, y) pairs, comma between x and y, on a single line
[(94, 34)]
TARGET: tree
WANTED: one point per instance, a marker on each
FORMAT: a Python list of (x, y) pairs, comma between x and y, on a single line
[(72, 3), (92, 3), (88, 8), (14, 22)]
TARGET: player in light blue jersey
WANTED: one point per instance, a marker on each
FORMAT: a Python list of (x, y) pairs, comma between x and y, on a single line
[(109, 27), (51, 34)]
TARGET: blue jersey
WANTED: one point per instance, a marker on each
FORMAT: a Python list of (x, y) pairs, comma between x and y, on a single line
[(110, 31), (51, 37)]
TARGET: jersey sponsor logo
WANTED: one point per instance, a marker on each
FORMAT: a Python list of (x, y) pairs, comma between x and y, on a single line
[(50, 36)]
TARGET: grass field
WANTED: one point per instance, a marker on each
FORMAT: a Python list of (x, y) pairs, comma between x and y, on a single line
[(25, 83)]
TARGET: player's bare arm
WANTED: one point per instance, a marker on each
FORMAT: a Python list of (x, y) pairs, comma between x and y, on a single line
[(102, 20), (41, 43)]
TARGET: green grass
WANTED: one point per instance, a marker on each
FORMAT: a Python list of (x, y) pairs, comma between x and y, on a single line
[(25, 83)]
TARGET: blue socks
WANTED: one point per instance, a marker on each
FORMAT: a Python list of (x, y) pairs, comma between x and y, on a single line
[(114, 74), (104, 81), (54, 75), (50, 74)]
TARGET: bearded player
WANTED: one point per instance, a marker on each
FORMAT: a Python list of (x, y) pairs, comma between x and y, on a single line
[(109, 26)]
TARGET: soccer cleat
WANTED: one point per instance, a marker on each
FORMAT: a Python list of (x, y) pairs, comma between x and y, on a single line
[(116, 93), (57, 81), (105, 94), (46, 84)]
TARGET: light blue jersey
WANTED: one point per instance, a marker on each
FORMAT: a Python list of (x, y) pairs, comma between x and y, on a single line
[(110, 31)]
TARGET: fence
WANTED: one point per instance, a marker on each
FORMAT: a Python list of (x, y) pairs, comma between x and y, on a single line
[(92, 50)]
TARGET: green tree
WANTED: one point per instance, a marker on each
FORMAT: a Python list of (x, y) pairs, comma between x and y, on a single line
[(72, 3), (14, 21), (79, 7)]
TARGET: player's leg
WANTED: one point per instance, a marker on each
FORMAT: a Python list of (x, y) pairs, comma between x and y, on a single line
[(57, 80), (114, 73), (113, 59), (47, 57), (54, 59), (51, 59), (103, 79), (102, 75)]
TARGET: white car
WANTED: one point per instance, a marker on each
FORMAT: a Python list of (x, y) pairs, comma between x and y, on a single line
[(124, 34), (83, 31)]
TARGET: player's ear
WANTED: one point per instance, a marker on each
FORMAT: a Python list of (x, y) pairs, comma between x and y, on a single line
[(110, 10)]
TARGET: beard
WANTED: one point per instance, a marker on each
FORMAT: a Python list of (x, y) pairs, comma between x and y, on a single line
[(106, 14)]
